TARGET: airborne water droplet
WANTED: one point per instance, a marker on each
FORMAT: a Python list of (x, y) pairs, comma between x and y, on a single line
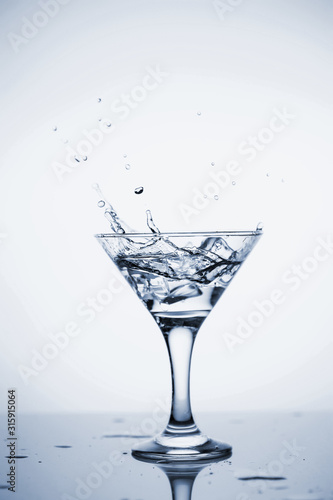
[(267, 175), (101, 203), (282, 180), (199, 113), (216, 197), (127, 166), (77, 159), (84, 158), (213, 164), (108, 124), (138, 190), (99, 99), (55, 129), (260, 226), (233, 183), (125, 156)]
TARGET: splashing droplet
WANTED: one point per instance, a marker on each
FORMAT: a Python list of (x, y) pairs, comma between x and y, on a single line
[(128, 166), (233, 183), (99, 99), (151, 224), (138, 190), (267, 175), (199, 113), (84, 158), (110, 213), (108, 124), (125, 156), (76, 158), (101, 203), (213, 164), (216, 197), (55, 129), (260, 226)]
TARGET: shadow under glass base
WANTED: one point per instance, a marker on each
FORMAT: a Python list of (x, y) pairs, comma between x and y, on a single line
[(153, 451)]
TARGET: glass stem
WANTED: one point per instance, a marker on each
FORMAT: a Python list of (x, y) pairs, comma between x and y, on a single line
[(180, 341), (181, 488)]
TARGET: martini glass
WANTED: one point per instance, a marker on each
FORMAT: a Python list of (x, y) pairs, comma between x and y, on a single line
[(180, 277)]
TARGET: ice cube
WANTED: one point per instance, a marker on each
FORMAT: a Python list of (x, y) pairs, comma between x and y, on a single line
[(182, 292)]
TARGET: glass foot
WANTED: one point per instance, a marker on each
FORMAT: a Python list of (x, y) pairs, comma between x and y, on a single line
[(153, 451)]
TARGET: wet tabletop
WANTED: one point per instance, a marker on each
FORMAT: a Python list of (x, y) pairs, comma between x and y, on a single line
[(277, 456)]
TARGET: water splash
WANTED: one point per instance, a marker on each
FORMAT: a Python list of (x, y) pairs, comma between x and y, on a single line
[(110, 213), (151, 224), (139, 190)]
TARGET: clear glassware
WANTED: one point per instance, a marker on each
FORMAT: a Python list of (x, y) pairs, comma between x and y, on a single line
[(180, 277)]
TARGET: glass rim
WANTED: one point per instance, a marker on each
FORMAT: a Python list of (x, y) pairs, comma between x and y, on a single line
[(257, 232)]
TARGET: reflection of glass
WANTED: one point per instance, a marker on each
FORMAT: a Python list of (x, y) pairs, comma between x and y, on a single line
[(181, 477), (180, 277)]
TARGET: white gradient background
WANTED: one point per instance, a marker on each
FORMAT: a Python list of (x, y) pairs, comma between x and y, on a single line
[(265, 54)]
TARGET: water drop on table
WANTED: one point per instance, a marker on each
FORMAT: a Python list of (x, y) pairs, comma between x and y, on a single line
[(101, 203), (138, 190)]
